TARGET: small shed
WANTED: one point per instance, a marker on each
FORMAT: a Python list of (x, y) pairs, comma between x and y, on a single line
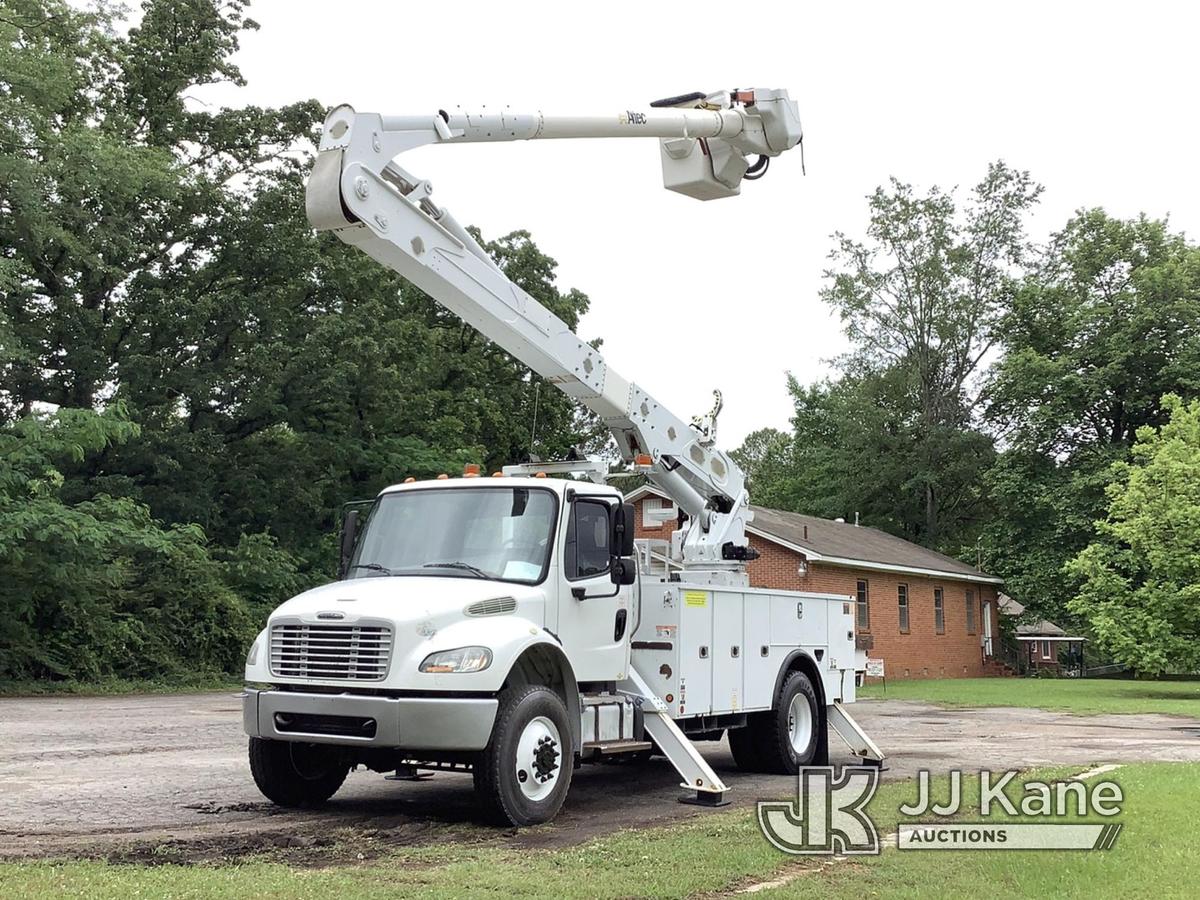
[(1044, 644)]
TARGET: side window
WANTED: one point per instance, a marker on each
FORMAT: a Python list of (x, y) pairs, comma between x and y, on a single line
[(587, 540), (863, 604), (939, 611), (970, 612), (902, 600)]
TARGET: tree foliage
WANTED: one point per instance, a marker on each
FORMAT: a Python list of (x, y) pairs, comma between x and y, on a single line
[(991, 385), (155, 258), (1140, 576)]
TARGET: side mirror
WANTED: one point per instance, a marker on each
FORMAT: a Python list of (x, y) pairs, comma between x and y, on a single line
[(622, 530), (623, 571), (349, 533)]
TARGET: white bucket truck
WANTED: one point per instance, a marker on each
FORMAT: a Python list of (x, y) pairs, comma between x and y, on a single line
[(502, 624)]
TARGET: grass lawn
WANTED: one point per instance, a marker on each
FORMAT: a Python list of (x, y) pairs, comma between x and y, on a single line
[(1084, 696), (1155, 856), (181, 685)]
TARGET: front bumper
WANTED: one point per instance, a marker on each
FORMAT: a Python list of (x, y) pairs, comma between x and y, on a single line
[(410, 723)]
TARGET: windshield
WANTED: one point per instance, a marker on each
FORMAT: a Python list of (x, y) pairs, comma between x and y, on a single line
[(499, 533)]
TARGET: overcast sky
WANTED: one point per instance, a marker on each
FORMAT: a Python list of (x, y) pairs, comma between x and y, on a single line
[(1098, 100)]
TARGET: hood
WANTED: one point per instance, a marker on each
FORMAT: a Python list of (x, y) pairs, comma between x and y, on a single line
[(403, 598)]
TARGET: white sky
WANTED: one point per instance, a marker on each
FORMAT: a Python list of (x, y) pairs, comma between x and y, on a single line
[(1098, 100)]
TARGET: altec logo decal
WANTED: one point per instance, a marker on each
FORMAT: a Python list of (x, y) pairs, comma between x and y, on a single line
[(829, 815), (632, 118)]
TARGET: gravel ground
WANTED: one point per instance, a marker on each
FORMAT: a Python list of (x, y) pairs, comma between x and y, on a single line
[(165, 777)]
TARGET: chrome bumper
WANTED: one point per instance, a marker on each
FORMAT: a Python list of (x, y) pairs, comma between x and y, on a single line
[(416, 723)]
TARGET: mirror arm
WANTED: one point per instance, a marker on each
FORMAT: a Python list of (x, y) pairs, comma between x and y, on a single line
[(581, 594)]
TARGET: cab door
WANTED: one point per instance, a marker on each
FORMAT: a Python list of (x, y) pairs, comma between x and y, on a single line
[(594, 615)]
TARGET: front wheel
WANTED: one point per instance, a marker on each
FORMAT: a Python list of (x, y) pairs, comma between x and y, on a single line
[(523, 774), (295, 774)]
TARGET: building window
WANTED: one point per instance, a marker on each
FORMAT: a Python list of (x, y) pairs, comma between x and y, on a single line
[(864, 608), (939, 611), (1045, 649), (656, 512), (970, 611), (902, 598)]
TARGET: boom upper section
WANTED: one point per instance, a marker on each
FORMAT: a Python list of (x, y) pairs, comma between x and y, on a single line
[(358, 191)]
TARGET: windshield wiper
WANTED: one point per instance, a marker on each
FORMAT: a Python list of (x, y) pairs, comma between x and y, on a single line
[(466, 567), (374, 567)]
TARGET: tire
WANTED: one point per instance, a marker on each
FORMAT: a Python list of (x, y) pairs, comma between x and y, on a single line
[(788, 736), (523, 774), (743, 744), (295, 774)]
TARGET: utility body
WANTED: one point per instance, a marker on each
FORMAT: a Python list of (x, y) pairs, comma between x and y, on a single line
[(504, 625)]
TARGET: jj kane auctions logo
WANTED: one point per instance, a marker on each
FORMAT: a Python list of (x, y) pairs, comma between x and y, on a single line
[(829, 814)]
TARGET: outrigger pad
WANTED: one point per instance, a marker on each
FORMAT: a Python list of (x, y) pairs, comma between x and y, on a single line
[(706, 798)]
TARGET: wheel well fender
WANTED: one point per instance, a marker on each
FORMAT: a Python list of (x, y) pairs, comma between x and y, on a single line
[(800, 661), (545, 663)]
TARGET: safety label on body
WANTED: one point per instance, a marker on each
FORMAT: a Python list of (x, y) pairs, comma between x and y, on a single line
[(695, 598)]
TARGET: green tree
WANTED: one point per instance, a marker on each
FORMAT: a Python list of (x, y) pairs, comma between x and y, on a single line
[(920, 299), (155, 258), (1104, 325), (858, 448), (1140, 577)]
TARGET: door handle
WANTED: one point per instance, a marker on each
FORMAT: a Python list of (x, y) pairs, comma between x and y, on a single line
[(619, 628)]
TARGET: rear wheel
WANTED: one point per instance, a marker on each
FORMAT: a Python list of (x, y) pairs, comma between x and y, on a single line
[(523, 774), (743, 743), (788, 735), (295, 774)]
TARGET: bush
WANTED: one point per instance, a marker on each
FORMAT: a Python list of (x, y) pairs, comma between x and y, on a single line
[(99, 589)]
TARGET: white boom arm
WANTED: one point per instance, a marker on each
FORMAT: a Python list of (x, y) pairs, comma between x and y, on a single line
[(357, 190)]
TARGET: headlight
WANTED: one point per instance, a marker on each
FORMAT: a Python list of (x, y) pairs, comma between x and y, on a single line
[(252, 656), (464, 659)]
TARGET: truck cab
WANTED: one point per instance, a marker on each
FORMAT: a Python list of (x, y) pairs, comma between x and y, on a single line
[(471, 616)]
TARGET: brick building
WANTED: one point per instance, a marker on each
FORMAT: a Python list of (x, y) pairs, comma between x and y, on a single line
[(924, 614)]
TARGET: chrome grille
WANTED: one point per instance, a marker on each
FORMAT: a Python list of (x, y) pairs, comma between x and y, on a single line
[(358, 652)]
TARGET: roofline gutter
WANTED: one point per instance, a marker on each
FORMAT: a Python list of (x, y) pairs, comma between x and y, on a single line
[(1052, 638)]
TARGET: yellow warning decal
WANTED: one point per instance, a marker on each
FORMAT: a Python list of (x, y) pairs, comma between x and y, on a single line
[(695, 598)]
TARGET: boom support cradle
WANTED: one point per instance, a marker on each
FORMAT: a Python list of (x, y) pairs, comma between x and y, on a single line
[(357, 191)]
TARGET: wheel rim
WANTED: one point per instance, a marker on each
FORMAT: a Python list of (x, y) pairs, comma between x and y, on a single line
[(539, 758), (800, 723), (309, 761)]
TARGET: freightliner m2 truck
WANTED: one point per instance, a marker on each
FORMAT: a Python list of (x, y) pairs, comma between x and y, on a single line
[(503, 625)]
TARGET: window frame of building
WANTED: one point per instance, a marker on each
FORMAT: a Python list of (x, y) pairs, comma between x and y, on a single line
[(939, 610), (862, 604), (1045, 649), (972, 611), (902, 608)]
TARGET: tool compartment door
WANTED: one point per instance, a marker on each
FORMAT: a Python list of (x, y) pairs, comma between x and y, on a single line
[(760, 662), (695, 652), (728, 651)]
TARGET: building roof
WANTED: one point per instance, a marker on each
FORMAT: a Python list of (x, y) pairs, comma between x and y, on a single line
[(1009, 606), (1042, 629), (843, 544)]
